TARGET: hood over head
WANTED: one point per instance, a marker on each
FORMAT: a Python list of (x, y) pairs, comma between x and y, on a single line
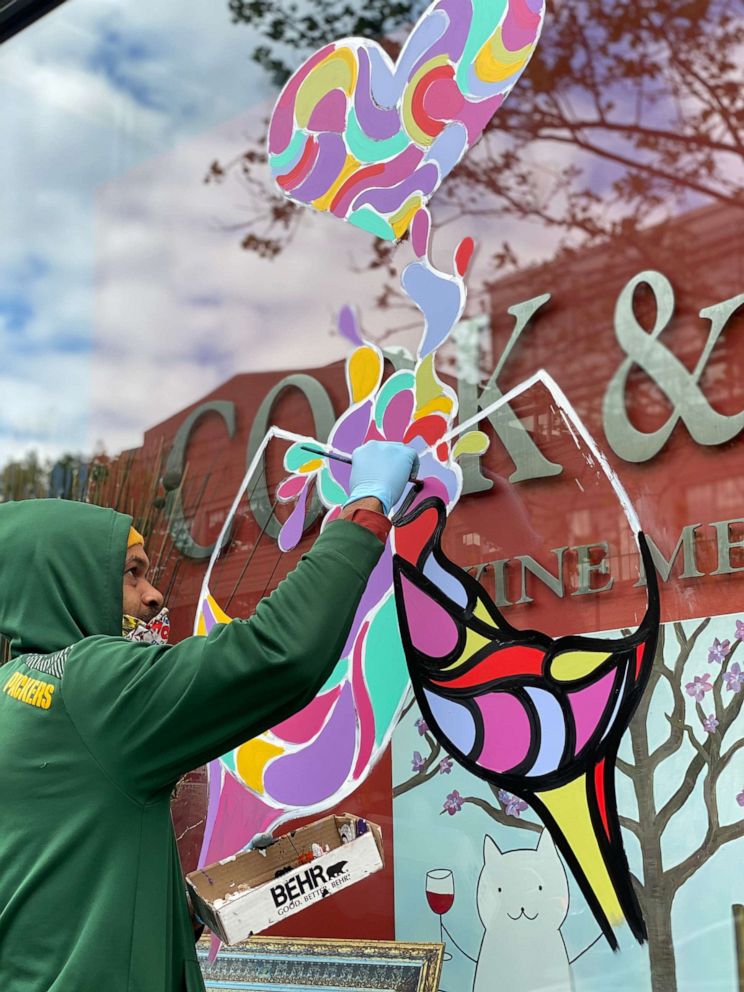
[(61, 569)]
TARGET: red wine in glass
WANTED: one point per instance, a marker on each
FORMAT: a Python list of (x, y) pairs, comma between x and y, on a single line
[(440, 902), (440, 894)]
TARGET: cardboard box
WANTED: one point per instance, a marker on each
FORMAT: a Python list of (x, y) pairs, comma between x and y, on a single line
[(243, 895)]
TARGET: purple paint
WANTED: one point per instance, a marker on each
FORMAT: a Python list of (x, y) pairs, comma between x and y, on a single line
[(520, 25), (329, 114), (389, 174), (397, 416), (282, 120), (327, 168), (454, 720), (387, 199), (293, 527), (303, 726), (209, 618), (315, 773), (452, 42), (348, 325), (552, 731), (438, 297), (378, 586), (448, 583), (348, 435), (448, 147), (373, 120), (386, 86)]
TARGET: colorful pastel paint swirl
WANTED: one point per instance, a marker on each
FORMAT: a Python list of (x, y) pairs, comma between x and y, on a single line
[(370, 141)]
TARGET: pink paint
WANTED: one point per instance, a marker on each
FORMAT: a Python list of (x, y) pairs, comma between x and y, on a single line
[(329, 114), (433, 631), (506, 731), (303, 726), (443, 100), (291, 487), (363, 704), (282, 120), (588, 705), (420, 228)]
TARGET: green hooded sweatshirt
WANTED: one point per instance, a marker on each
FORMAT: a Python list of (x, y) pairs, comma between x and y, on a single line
[(95, 730)]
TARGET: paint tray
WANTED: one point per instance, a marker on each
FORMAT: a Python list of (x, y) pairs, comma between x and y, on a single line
[(249, 892)]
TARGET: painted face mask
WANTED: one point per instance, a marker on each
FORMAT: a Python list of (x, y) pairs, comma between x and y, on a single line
[(155, 631)]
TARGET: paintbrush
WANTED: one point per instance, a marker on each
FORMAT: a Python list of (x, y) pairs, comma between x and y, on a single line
[(417, 484)]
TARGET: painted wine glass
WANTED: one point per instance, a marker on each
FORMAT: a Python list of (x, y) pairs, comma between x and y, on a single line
[(440, 894)]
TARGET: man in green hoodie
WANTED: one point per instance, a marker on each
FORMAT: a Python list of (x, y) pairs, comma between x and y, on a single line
[(95, 729)]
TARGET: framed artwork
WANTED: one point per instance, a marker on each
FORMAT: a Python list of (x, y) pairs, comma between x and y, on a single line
[(291, 963)]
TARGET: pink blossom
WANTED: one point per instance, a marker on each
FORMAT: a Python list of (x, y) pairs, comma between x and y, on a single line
[(734, 678), (453, 803), (710, 724), (698, 687), (717, 651), (513, 805)]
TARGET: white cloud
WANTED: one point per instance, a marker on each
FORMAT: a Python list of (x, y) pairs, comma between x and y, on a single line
[(87, 92)]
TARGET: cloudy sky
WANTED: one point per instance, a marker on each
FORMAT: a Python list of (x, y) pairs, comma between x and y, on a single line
[(89, 93), (124, 294)]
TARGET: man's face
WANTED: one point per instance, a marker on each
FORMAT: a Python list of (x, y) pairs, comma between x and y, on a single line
[(140, 599)]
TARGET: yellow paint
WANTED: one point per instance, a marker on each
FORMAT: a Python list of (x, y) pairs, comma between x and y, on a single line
[(473, 443), (482, 613), (442, 404), (412, 129), (569, 807), (401, 220), (573, 665), (338, 71), (365, 372), (494, 63), (473, 642), (219, 614), (428, 385), (350, 166), (251, 760), (311, 466)]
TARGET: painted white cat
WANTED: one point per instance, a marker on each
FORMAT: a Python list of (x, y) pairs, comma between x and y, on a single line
[(522, 902)]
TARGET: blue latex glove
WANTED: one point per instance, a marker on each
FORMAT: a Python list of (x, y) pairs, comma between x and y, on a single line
[(382, 469)]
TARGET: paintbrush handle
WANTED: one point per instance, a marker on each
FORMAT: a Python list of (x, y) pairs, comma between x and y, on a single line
[(344, 458)]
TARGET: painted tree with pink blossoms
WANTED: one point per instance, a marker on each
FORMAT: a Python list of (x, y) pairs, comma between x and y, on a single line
[(699, 688)]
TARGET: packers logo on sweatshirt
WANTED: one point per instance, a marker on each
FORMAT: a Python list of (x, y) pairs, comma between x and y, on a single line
[(28, 690)]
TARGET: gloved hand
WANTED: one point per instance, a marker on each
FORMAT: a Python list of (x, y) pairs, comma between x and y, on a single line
[(382, 469)]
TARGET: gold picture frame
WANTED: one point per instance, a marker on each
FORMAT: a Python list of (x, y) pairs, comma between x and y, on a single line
[(305, 963)]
